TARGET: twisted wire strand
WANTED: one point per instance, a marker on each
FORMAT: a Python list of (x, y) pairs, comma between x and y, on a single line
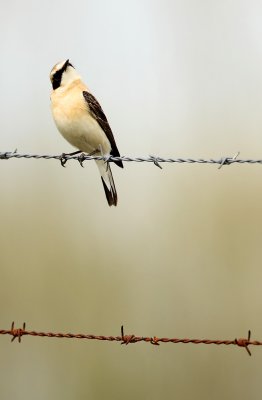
[(127, 339), (156, 160)]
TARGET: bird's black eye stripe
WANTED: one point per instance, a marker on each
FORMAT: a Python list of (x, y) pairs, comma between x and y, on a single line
[(57, 77), (56, 80)]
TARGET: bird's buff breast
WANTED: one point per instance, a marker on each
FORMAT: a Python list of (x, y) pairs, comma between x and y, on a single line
[(77, 126)]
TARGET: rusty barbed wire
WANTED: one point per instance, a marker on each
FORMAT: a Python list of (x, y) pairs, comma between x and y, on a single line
[(17, 333), (156, 160)]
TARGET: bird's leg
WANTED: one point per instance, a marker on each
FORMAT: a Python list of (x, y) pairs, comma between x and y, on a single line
[(63, 158), (82, 156)]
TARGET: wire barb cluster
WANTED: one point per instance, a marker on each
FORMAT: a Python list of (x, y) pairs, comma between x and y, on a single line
[(155, 160), (128, 339)]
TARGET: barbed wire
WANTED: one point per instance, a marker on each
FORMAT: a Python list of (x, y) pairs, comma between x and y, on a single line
[(156, 160), (17, 333)]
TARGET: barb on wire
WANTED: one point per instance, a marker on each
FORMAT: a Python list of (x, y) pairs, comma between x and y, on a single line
[(128, 339), (228, 160), (155, 160)]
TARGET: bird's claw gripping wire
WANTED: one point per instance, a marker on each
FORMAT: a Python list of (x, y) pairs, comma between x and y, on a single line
[(81, 159), (64, 157)]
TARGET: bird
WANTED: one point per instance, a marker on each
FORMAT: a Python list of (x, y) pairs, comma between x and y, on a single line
[(80, 119)]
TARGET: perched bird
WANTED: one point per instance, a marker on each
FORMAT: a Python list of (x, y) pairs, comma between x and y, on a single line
[(82, 122)]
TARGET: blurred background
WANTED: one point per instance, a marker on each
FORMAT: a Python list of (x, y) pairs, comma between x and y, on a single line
[(180, 256)]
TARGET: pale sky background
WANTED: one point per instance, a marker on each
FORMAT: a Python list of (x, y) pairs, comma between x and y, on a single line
[(181, 254)]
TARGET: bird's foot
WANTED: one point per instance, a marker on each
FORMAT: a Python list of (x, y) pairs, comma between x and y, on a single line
[(64, 157), (81, 159)]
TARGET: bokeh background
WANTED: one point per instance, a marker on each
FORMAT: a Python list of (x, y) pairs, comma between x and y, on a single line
[(181, 254)]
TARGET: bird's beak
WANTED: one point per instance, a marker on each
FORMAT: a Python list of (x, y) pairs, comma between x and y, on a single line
[(65, 65)]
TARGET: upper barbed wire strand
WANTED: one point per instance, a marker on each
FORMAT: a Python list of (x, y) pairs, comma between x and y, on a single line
[(156, 160)]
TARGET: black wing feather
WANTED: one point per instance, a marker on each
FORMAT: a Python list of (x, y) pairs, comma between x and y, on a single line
[(100, 117)]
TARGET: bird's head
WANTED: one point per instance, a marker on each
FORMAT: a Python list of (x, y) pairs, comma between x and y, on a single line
[(62, 74)]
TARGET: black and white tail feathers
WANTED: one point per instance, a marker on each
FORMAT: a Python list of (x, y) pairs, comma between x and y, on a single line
[(108, 182)]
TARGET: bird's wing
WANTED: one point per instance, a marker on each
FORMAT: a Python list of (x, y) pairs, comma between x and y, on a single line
[(98, 114)]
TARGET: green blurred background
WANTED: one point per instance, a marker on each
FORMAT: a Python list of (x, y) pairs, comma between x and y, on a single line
[(181, 254)]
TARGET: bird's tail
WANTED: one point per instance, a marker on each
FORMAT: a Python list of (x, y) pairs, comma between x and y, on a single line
[(108, 182)]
